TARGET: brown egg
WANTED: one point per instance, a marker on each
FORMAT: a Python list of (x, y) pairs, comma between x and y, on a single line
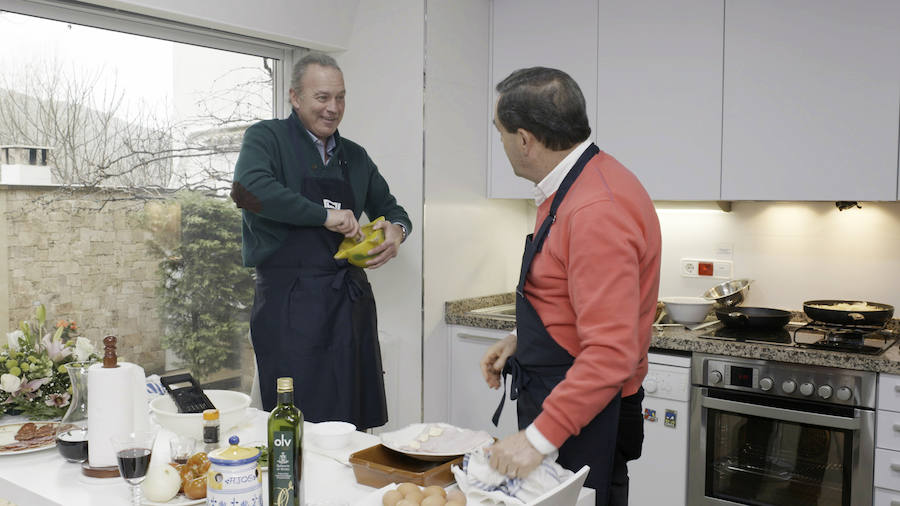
[(457, 496), (454, 503), (435, 490), (391, 498), (433, 500), (406, 488), (404, 502), (415, 496)]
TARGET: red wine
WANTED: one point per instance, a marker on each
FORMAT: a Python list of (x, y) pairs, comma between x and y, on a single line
[(73, 445), (133, 463)]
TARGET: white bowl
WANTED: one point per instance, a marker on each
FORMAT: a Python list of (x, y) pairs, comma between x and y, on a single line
[(331, 435), (687, 310), (232, 408)]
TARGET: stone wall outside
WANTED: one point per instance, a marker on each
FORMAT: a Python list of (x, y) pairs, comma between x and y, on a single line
[(86, 259)]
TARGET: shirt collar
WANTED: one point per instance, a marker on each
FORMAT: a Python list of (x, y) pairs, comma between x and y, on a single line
[(548, 186), (328, 147)]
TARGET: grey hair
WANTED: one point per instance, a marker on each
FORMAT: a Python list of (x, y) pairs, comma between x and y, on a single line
[(311, 58)]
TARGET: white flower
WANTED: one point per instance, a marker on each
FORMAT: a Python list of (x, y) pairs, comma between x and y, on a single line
[(12, 339), (10, 383), (83, 348)]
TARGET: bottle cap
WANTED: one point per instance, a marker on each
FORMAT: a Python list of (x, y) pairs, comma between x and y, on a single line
[(285, 384), (211, 414)]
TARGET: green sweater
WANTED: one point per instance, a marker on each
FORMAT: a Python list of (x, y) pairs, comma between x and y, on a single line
[(268, 168)]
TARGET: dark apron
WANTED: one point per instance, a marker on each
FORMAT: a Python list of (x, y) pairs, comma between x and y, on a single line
[(314, 320), (539, 364)]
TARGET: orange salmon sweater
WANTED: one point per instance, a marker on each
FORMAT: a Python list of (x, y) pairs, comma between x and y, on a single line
[(595, 285)]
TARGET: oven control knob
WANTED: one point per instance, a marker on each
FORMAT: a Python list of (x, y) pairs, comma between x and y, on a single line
[(789, 386), (807, 389), (650, 385), (766, 384), (844, 394), (825, 391), (715, 377)]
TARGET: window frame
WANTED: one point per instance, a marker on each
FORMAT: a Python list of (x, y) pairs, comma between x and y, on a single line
[(173, 31)]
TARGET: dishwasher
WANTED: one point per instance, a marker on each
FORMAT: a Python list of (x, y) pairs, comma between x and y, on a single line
[(660, 475)]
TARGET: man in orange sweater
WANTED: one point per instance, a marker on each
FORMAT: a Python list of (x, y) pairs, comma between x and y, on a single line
[(586, 296)]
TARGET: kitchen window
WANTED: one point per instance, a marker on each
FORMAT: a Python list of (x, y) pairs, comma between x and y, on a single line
[(124, 223)]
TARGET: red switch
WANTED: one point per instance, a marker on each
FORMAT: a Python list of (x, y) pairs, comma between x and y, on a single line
[(705, 269)]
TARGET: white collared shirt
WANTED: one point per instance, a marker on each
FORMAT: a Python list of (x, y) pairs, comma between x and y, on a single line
[(551, 181)]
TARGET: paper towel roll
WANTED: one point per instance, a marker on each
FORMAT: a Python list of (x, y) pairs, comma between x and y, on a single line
[(117, 403)]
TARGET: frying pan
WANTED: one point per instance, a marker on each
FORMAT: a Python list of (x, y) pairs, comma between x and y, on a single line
[(753, 317), (880, 316)]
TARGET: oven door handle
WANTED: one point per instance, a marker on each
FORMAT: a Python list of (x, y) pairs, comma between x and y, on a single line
[(788, 415)]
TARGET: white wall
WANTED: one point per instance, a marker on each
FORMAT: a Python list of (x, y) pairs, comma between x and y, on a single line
[(794, 251), (472, 245), (383, 68), (308, 23)]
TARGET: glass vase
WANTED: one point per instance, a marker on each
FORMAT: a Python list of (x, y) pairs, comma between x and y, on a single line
[(71, 433)]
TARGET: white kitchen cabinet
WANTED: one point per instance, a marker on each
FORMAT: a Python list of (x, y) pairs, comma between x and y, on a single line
[(887, 441), (530, 33), (472, 402), (659, 94), (811, 100)]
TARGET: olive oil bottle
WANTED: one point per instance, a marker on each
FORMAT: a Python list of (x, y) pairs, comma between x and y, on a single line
[(285, 448)]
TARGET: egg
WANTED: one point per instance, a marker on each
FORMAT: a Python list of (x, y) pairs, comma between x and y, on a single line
[(161, 484), (415, 496), (456, 496), (454, 503), (406, 488), (433, 500), (391, 498), (434, 490), (404, 502)]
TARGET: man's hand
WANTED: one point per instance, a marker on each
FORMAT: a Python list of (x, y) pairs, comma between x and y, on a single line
[(495, 358), (342, 221), (388, 249), (514, 456)]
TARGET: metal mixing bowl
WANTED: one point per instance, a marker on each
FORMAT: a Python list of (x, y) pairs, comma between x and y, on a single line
[(728, 294)]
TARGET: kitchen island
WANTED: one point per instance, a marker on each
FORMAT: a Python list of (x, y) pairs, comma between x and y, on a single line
[(679, 338)]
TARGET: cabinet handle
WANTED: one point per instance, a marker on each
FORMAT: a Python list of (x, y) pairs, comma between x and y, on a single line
[(475, 337), (895, 503), (895, 467), (897, 388), (896, 428)]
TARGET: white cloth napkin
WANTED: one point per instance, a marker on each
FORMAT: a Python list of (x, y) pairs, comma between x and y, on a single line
[(478, 480)]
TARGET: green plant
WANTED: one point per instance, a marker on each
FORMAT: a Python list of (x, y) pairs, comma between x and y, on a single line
[(205, 292)]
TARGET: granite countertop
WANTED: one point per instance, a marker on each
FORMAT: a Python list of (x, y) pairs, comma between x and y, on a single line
[(682, 339)]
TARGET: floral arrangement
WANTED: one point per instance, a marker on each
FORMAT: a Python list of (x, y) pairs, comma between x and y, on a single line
[(33, 377)]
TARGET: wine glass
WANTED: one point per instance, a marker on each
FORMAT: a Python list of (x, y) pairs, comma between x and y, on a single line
[(133, 452)]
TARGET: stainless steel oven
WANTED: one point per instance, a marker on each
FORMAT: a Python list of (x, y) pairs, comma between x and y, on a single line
[(772, 433)]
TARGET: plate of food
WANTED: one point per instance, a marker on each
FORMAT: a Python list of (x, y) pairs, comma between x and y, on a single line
[(435, 441), (27, 437)]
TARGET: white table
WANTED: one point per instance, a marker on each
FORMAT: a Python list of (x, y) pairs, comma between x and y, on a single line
[(43, 478)]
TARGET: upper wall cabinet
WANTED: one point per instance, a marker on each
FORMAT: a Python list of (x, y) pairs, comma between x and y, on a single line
[(811, 100), (530, 33), (660, 93)]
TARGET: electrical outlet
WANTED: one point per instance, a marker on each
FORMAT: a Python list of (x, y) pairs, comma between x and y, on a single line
[(689, 268), (696, 268)]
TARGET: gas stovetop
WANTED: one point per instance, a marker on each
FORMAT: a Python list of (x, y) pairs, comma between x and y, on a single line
[(868, 340)]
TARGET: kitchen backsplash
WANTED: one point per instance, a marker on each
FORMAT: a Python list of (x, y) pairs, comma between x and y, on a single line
[(795, 251)]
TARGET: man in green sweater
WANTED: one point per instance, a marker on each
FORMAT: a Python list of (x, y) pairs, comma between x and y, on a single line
[(302, 188)]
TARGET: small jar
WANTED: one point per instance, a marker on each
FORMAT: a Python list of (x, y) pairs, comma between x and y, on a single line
[(210, 430)]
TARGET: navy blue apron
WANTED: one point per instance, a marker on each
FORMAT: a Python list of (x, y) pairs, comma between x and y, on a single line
[(539, 364), (314, 319)]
